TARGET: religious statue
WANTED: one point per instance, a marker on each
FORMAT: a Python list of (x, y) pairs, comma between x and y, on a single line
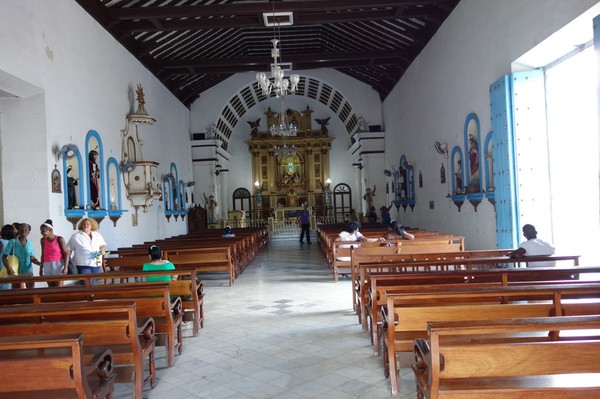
[(291, 175), (323, 122), (94, 180), (459, 178), (369, 197), (71, 193), (210, 205), (254, 127)]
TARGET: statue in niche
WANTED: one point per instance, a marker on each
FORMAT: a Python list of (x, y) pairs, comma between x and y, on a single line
[(290, 170), (458, 176), (473, 163), (94, 180), (71, 192)]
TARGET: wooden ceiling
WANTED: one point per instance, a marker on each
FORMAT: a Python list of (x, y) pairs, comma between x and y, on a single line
[(192, 45)]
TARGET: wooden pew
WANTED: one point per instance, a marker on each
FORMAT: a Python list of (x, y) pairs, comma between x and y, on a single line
[(404, 264), (152, 300), (188, 287), (450, 365), (203, 260), (382, 283), (113, 325), (342, 259), (375, 255), (53, 366), (406, 315)]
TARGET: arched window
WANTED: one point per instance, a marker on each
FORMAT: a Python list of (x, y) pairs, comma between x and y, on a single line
[(242, 200), (342, 200)]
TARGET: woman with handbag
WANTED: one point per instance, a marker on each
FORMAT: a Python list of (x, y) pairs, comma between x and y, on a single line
[(21, 248)]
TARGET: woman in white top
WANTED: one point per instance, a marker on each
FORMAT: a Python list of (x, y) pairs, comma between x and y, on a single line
[(87, 247), (352, 234)]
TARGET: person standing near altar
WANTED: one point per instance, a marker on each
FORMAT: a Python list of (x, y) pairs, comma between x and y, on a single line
[(305, 223)]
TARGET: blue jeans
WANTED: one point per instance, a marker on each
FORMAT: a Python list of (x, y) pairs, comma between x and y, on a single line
[(88, 270)]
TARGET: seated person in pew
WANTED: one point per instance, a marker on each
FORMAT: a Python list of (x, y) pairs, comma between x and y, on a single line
[(352, 234), (158, 263), (228, 232), (396, 231), (533, 246)]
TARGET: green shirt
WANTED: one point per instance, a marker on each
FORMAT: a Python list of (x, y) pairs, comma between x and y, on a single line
[(150, 267)]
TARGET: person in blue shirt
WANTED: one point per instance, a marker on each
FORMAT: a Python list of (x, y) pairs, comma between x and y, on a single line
[(22, 248), (305, 224)]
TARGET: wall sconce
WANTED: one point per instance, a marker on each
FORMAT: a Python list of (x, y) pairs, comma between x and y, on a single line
[(359, 164), (257, 184)]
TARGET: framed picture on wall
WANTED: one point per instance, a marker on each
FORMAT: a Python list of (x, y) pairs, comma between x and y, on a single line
[(55, 181)]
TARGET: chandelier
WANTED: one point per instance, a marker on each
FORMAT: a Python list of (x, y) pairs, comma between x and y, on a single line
[(284, 150), (283, 128), (279, 85)]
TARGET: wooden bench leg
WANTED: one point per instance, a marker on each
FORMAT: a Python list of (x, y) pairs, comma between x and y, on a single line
[(180, 338), (152, 369), (392, 370)]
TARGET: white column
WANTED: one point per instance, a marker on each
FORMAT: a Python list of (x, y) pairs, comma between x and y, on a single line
[(358, 196), (224, 200)]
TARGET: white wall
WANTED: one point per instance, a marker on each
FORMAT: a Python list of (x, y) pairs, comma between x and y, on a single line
[(87, 79), (449, 80)]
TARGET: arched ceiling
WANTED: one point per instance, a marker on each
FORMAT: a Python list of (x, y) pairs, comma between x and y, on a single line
[(192, 45)]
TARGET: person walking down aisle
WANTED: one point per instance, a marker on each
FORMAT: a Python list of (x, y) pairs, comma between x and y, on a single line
[(22, 248), (55, 254), (533, 247), (88, 247), (305, 224), (158, 263)]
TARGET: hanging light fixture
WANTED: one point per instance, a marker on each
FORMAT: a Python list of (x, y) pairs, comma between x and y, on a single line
[(279, 85), (283, 128)]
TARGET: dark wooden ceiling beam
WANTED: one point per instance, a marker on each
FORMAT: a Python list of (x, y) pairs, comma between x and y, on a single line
[(300, 19), (234, 9), (299, 61)]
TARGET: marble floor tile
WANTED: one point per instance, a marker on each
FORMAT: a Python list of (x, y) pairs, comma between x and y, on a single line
[(284, 330)]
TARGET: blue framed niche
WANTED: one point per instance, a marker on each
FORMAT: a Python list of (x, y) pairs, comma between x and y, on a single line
[(404, 185), (96, 206), (113, 188), (73, 197), (466, 166), (173, 194), (489, 156)]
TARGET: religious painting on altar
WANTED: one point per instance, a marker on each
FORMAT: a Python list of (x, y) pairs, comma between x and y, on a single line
[(290, 170)]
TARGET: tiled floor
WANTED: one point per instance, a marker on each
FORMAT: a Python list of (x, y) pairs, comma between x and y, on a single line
[(283, 330)]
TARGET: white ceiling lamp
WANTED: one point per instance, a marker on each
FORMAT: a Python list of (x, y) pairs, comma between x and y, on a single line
[(277, 83)]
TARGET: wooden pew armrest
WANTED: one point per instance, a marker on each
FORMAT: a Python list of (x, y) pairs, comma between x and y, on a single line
[(102, 365), (176, 307), (146, 329)]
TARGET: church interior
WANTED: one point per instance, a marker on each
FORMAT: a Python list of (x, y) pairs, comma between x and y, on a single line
[(165, 122)]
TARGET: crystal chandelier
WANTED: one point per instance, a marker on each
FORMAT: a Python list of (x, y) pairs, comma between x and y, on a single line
[(281, 151), (283, 128)]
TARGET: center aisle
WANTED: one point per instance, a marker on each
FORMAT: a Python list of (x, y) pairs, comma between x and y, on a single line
[(283, 330)]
